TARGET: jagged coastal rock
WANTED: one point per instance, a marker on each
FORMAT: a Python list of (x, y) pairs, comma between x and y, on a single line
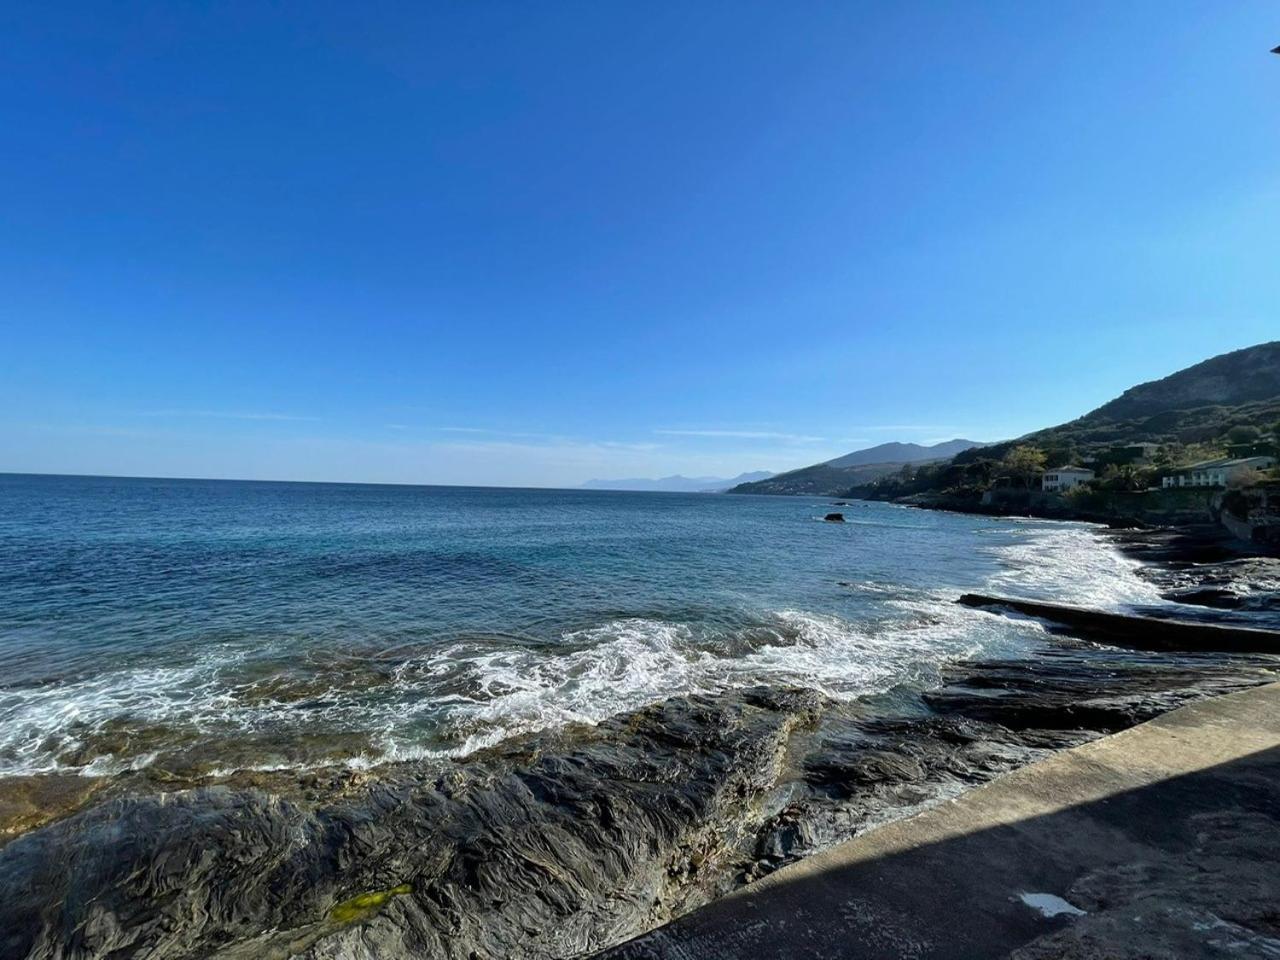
[(557, 845)]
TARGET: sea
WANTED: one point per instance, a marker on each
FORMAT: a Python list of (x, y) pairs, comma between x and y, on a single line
[(207, 627)]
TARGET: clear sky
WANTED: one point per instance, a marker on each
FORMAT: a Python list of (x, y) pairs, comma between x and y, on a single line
[(533, 243)]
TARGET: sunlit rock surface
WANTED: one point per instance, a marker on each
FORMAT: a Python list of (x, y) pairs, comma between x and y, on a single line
[(558, 845)]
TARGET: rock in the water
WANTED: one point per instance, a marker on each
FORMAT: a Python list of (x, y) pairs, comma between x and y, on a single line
[(834, 518)]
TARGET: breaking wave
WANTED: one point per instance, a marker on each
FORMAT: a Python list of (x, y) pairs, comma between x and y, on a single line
[(467, 696), (255, 706), (1070, 563)]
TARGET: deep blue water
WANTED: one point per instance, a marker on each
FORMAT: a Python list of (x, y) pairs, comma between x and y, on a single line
[(219, 624)]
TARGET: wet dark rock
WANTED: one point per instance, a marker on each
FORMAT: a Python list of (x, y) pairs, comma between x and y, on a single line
[(551, 857), (989, 717), (834, 518), (1089, 688), (1217, 597), (559, 844), (1204, 566)]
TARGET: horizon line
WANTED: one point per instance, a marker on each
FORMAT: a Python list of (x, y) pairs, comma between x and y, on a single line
[(354, 483)]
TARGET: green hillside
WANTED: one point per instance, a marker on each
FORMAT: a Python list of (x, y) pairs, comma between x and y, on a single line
[(1195, 406), (861, 467)]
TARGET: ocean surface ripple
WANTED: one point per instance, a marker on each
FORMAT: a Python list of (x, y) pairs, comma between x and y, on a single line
[(208, 626)]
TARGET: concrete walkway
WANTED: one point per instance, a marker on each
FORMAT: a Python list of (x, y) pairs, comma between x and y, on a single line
[(1162, 840)]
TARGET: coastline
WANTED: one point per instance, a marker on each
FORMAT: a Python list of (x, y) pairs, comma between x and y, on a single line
[(1197, 563), (567, 842), (558, 845)]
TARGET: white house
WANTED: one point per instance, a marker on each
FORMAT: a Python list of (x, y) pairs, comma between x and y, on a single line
[(1064, 478), (1216, 473)]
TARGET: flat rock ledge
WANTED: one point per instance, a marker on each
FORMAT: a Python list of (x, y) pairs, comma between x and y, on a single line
[(1160, 842)]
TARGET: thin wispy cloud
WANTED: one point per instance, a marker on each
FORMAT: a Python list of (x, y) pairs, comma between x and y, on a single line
[(743, 435), (914, 427), (493, 432), (528, 442), (228, 415)]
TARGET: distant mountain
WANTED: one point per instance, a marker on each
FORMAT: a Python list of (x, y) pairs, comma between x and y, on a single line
[(903, 453), (834, 477), (677, 483)]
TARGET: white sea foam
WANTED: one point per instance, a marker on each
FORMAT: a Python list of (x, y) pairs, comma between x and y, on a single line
[(42, 726), (465, 696), (1071, 563), (626, 664)]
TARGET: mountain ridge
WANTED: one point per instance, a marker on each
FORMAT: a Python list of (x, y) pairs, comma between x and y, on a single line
[(896, 452), (1196, 404), (1230, 379), (852, 469), (677, 483)]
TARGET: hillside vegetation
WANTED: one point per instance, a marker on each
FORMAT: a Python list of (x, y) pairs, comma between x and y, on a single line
[(1198, 405), (1228, 405), (854, 469), (1218, 407)]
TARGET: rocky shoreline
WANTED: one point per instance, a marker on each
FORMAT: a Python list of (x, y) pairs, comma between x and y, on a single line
[(1203, 565), (1200, 563), (560, 845)]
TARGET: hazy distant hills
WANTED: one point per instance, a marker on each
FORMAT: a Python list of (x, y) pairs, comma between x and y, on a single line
[(861, 466), (677, 483)]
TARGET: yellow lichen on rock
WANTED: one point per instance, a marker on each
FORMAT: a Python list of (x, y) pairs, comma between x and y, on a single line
[(366, 904)]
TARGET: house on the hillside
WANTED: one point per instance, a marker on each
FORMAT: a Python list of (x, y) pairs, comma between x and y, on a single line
[(1060, 479), (1216, 473)]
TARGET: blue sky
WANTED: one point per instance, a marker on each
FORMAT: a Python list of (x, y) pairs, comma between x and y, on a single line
[(518, 243)]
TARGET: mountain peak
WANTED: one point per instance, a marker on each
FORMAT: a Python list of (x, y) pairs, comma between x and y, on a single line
[(858, 467), (896, 452), (1229, 379)]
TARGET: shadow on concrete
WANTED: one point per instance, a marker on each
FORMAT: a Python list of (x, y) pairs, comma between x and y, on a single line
[(1186, 866)]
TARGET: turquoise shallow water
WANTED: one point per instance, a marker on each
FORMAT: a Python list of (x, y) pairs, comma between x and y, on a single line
[(224, 624)]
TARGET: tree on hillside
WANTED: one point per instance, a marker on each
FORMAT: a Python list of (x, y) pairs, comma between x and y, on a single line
[(1024, 462), (1060, 454), (1167, 455), (1243, 433), (1126, 477)]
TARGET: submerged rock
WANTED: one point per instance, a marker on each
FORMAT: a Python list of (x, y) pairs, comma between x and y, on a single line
[(1204, 566)]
